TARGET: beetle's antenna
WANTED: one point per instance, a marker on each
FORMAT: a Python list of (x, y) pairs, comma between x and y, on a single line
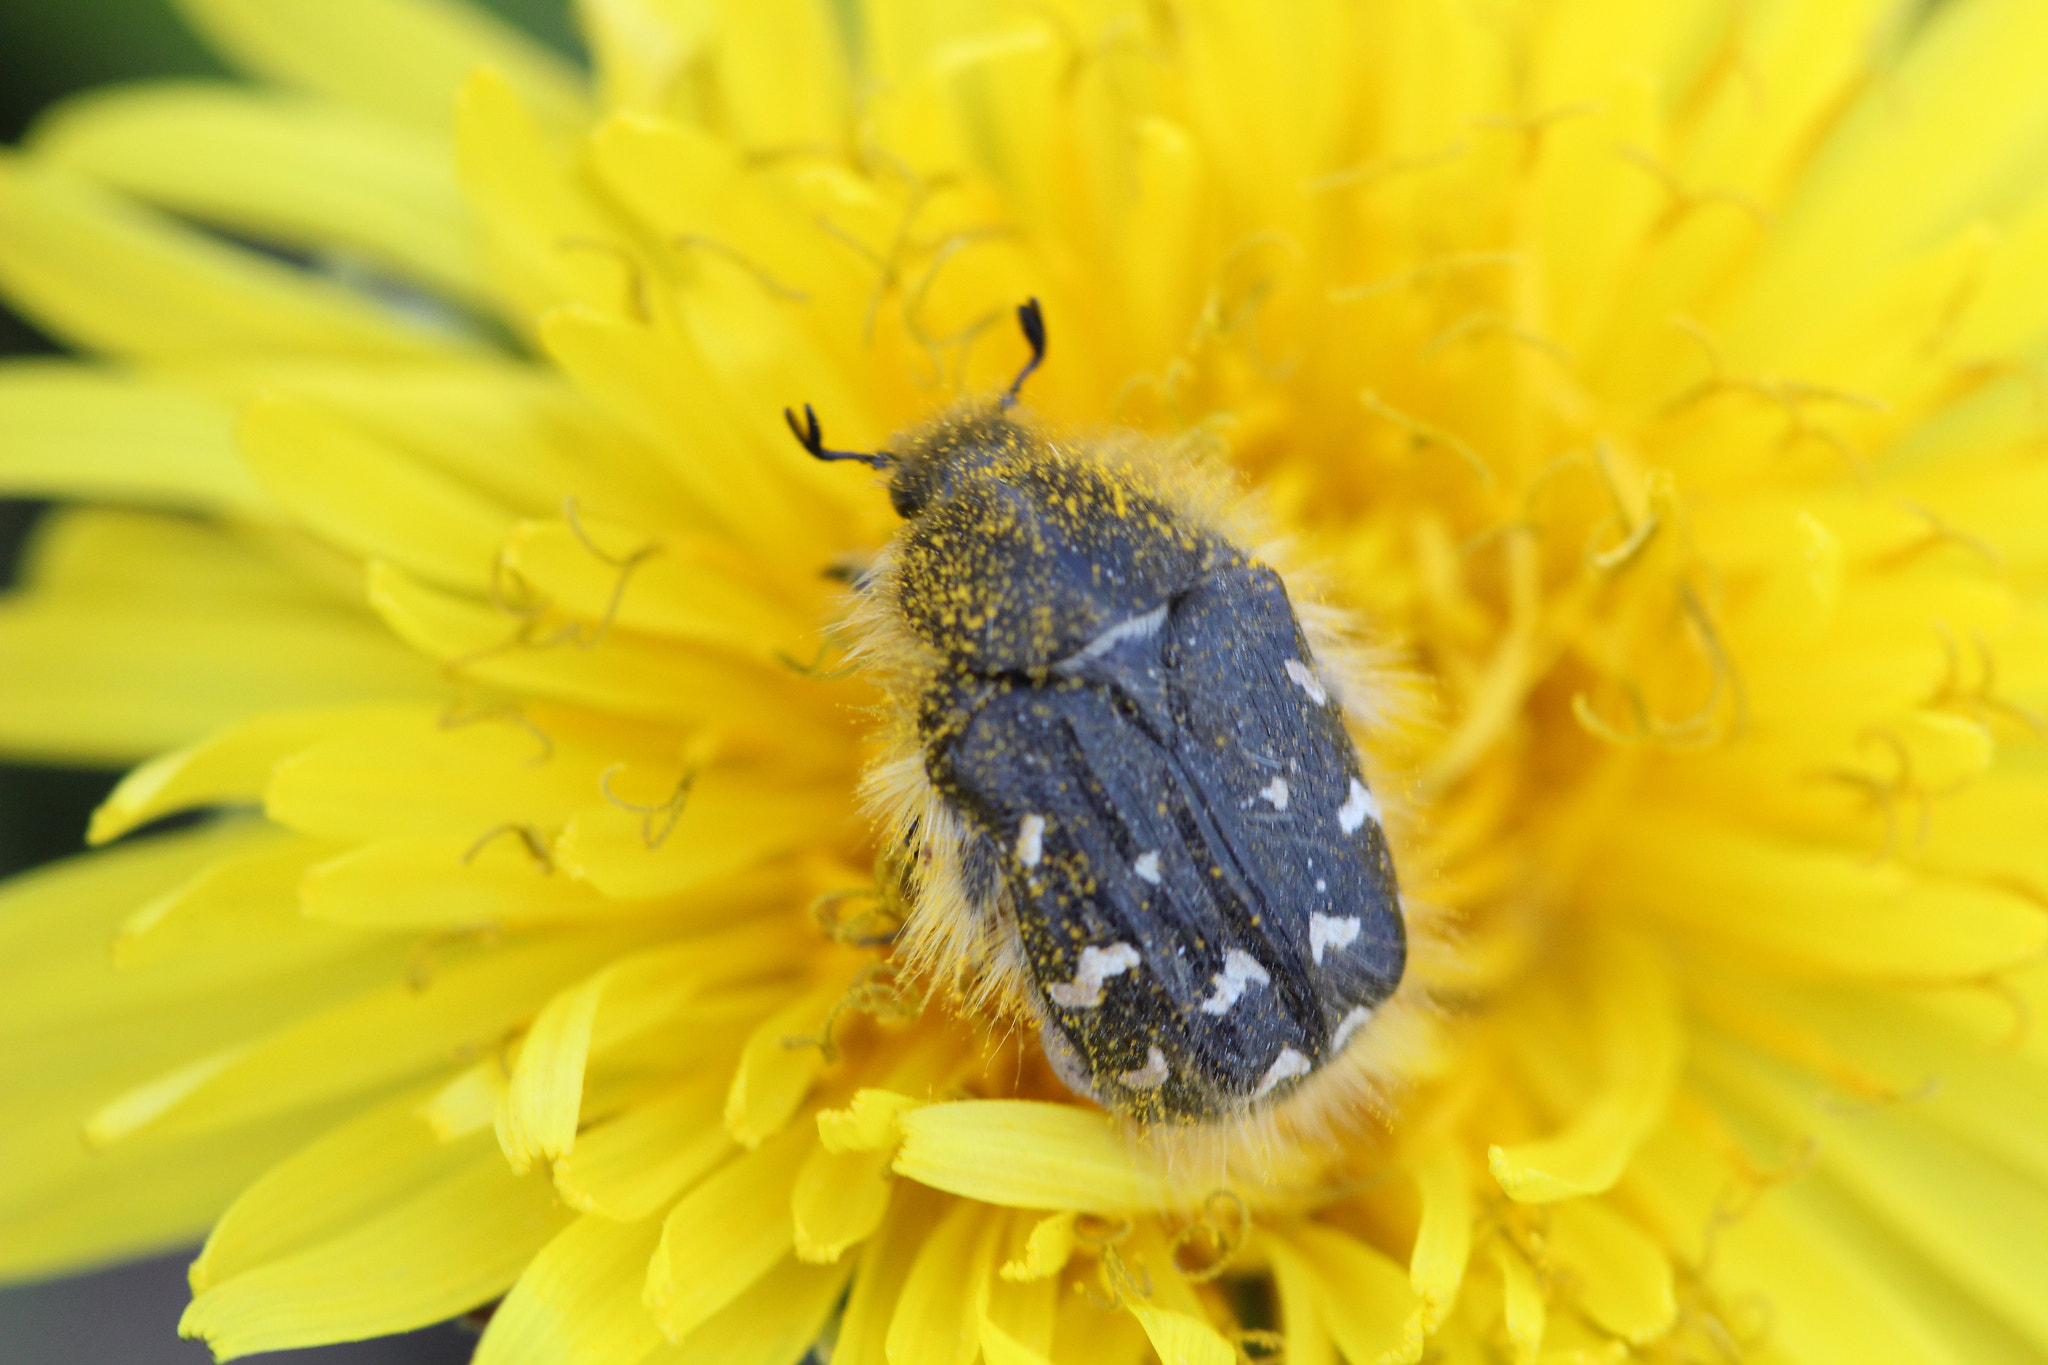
[(1032, 320), (811, 438)]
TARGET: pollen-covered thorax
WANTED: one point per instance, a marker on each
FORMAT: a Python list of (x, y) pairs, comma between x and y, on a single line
[(1019, 554)]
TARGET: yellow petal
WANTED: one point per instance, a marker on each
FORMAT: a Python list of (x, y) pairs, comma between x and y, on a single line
[(610, 1006), (999, 1347), (232, 765), (725, 1234), (778, 1062), (249, 896), (630, 371), (1105, 1334), (116, 671), (396, 1031), (371, 500), (788, 70), (872, 1122), (1979, 1220), (349, 1174), (677, 586), (1024, 1154), (105, 556), (74, 1029), (724, 823), (608, 671), (630, 1165), (838, 1201), (118, 279), (1635, 1010), (940, 1307), (433, 771), (1524, 1312), (1804, 906), (1365, 1299), (775, 1321), (1301, 1311), (468, 1103), (1180, 1338), (1624, 1278), (456, 1242), (878, 1280), (151, 1199), (552, 241), (1963, 82), (443, 884), (279, 168), (79, 431), (513, 431), (403, 59), (578, 1301), (1812, 1245), (1046, 1250), (1024, 1312), (1443, 1242)]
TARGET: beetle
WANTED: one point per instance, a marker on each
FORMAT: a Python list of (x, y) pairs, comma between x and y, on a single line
[(1135, 810)]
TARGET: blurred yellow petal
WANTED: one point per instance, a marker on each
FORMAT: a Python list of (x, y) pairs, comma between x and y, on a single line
[(353, 1171), (80, 431), (126, 281), (372, 500), (112, 672), (401, 59), (578, 1301), (1625, 1278), (417, 1025), (725, 1234), (1640, 1039), (1181, 1338), (246, 898), (456, 1242), (775, 1321), (279, 168), (229, 766), (1364, 1298), (934, 1320), (1854, 916), (450, 884), (1443, 1241)]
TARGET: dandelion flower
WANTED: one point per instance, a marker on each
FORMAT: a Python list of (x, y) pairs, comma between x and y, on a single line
[(1660, 387)]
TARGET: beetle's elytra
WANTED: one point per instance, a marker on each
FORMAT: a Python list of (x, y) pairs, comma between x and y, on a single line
[(1133, 803)]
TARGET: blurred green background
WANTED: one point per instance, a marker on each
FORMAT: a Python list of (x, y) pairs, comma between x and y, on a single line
[(127, 1315)]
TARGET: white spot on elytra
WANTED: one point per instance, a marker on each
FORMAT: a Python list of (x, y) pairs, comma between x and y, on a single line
[(1147, 866), (1327, 931), (1137, 628), (1357, 809), (1150, 1076), (1241, 971), (1286, 1067), (1031, 840), (1305, 678), (1322, 885), (1348, 1025), (1276, 792), (1097, 965)]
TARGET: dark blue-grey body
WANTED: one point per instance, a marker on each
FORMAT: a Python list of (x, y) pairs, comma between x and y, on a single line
[(1165, 801)]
